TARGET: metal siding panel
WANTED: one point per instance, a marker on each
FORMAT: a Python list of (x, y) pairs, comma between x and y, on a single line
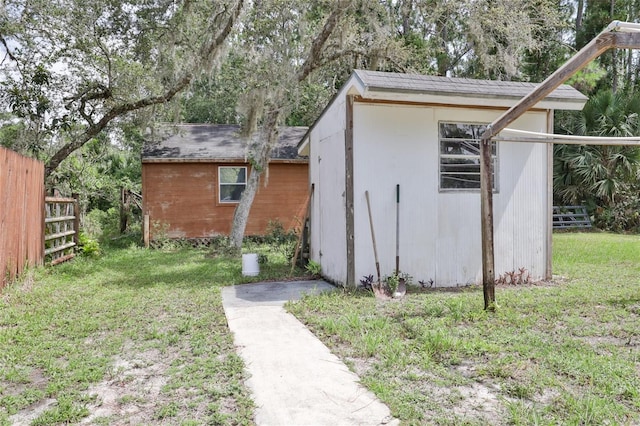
[(403, 153), (521, 206), (519, 210), (328, 225), (440, 232)]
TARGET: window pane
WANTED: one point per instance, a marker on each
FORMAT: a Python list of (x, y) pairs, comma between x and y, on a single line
[(231, 192), (460, 155), (462, 130), (233, 175), (459, 181), (461, 166), (459, 147), (233, 180)]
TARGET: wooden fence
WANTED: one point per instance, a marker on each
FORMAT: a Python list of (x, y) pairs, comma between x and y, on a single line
[(62, 223), (21, 214)]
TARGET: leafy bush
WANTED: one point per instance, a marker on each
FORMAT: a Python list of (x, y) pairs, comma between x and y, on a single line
[(623, 216), (283, 242), (100, 225), (88, 246), (314, 268)]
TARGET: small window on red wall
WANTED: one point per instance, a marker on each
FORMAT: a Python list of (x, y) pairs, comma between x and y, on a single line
[(232, 181)]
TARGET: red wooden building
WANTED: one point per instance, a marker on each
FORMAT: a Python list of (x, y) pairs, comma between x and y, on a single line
[(193, 176)]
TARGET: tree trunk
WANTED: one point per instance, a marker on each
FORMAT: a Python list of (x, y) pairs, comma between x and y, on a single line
[(614, 56), (579, 15), (125, 209), (406, 10), (269, 133), (259, 163)]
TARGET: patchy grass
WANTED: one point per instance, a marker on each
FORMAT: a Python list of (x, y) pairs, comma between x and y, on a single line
[(134, 337), (560, 353)]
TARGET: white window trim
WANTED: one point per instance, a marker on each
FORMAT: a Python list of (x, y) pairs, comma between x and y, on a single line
[(496, 161), (220, 184)]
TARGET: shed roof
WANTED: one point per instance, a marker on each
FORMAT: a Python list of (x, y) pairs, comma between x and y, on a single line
[(391, 87), (375, 81), (213, 142)]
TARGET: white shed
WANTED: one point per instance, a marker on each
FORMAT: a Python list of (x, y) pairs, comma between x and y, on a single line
[(422, 133)]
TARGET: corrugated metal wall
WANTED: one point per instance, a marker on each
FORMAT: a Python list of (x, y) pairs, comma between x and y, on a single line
[(440, 231), (21, 213), (328, 209)]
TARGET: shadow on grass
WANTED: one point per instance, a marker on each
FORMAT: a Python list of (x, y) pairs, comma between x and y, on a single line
[(182, 268)]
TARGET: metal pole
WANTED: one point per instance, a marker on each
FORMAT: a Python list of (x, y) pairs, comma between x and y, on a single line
[(397, 229)]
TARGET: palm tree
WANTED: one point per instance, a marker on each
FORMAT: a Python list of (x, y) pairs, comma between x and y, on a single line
[(598, 174)]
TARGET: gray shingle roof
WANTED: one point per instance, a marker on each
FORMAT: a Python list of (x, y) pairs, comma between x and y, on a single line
[(213, 142), (415, 83)]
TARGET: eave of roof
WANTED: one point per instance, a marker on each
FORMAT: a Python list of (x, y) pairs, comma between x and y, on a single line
[(460, 91), (443, 91)]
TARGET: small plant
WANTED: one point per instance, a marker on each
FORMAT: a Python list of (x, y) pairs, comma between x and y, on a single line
[(521, 276), (88, 246), (366, 282), (314, 268), (408, 279), (282, 241), (392, 282), (426, 284)]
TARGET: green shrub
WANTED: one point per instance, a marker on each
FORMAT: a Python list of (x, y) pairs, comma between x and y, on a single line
[(623, 216), (88, 246), (314, 268), (101, 225)]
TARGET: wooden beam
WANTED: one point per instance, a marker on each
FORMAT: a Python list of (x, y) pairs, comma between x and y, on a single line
[(359, 99), (486, 211), (597, 46), (350, 220), (604, 41)]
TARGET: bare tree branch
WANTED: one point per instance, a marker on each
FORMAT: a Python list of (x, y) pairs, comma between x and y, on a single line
[(209, 52), (315, 53)]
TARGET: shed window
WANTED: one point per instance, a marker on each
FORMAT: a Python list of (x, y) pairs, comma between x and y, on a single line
[(231, 183), (460, 156)]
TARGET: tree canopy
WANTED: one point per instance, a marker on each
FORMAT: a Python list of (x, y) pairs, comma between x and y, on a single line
[(99, 72), (72, 69)]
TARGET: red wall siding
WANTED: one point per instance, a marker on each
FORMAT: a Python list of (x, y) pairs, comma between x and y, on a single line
[(21, 213), (182, 198)]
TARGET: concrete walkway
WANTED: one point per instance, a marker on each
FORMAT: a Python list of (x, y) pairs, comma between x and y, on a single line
[(294, 378)]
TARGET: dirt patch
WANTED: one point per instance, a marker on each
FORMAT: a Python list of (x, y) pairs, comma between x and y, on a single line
[(479, 402), (130, 395), (133, 391)]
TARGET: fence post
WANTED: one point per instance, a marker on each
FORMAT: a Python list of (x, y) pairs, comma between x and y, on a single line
[(76, 221), (145, 231)]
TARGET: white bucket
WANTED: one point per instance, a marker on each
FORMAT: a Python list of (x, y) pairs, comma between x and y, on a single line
[(250, 267)]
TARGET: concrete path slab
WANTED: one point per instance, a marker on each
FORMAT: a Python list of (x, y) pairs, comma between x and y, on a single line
[(294, 378)]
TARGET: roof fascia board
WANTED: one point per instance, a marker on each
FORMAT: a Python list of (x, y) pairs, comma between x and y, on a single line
[(220, 160), (353, 86), (468, 100)]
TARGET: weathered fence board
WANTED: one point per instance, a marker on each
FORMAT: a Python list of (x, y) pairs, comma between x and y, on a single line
[(21, 213), (61, 229)]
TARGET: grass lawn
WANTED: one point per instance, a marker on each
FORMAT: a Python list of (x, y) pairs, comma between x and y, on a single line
[(133, 337), (567, 352)]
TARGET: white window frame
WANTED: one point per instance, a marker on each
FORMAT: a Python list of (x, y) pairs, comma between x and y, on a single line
[(221, 184), (442, 156)]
